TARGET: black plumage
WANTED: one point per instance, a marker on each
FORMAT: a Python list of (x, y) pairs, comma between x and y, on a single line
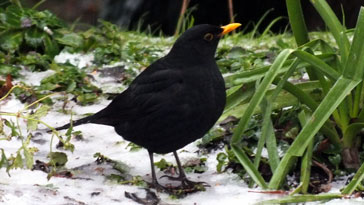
[(174, 101)]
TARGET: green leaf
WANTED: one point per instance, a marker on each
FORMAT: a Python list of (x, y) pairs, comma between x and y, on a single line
[(58, 158), (34, 37), (333, 23), (13, 128), (11, 40), (249, 166), (354, 68), (18, 161), (3, 161), (163, 164), (41, 112), (71, 39), (12, 17), (51, 47), (301, 199), (355, 182), (332, 100), (28, 158), (259, 94), (221, 158), (9, 70)]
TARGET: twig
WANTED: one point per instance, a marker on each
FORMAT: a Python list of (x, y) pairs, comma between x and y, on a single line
[(231, 11), (326, 170), (181, 16)]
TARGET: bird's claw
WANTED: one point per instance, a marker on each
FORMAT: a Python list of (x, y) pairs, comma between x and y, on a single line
[(160, 188), (186, 183), (150, 199)]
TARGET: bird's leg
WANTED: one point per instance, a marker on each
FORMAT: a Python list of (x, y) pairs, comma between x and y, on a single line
[(151, 197), (155, 183), (185, 183)]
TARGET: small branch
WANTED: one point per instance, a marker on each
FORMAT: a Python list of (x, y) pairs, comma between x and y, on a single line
[(181, 16), (231, 11)]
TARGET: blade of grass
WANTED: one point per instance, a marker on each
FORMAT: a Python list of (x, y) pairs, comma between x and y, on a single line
[(319, 64), (304, 98), (337, 30), (255, 101), (307, 157), (297, 21), (355, 64), (302, 198), (358, 177), (259, 94), (267, 29), (335, 96), (255, 29), (249, 166), (267, 110), (252, 75)]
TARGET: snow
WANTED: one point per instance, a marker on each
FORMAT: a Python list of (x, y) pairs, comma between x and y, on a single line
[(79, 60), (89, 184)]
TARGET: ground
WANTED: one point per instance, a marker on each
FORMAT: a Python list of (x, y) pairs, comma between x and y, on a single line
[(89, 184)]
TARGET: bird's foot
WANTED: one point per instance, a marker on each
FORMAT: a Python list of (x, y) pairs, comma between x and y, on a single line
[(160, 188), (150, 199), (187, 186)]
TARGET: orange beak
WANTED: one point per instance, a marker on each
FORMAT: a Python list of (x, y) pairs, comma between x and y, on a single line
[(230, 27)]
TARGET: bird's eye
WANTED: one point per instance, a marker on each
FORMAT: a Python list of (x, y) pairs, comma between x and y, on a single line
[(208, 37)]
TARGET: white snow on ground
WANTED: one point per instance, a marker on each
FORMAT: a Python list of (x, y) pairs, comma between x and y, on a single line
[(89, 185), (79, 60)]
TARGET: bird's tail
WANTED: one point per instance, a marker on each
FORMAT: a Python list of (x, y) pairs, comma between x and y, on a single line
[(76, 123)]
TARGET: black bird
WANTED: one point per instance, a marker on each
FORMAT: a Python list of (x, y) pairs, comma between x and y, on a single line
[(174, 101)]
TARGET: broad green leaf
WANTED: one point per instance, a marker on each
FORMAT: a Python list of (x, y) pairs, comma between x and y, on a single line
[(71, 39), (34, 37), (9, 70), (58, 159), (13, 16), (11, 40)]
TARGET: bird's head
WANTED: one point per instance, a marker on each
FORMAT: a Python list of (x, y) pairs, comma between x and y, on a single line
[(202, 40)]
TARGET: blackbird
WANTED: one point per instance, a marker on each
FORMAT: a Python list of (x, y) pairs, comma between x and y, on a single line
[(174, 101)]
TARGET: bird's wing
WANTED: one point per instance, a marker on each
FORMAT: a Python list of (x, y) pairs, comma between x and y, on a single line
[(154, 89)]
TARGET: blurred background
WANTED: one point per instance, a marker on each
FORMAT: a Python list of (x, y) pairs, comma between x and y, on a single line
[(161, 16)]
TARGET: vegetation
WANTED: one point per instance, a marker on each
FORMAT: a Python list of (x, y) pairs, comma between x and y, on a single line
[(300, 122)]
